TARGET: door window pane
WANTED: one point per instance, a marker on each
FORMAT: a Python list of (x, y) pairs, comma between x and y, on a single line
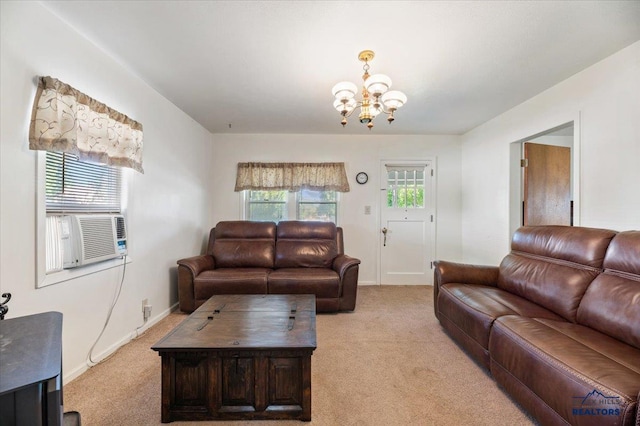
[(405, 188)]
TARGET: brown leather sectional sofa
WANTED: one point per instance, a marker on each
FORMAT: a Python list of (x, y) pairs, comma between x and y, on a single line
[(292, 257), (557, 323)]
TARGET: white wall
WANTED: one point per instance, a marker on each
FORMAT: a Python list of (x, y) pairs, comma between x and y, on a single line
[(359, 153), (189, 175), (168, 210), (605, 100)]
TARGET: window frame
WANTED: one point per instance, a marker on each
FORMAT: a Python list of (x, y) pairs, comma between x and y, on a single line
[(42, 278)]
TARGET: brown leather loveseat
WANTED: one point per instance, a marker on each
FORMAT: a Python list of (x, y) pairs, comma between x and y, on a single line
[(557, 323), (292, 257)]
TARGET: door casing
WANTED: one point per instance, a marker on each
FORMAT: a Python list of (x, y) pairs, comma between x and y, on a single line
[(572, 121)]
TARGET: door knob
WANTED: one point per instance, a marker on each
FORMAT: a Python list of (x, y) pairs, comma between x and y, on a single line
[(384, 232)]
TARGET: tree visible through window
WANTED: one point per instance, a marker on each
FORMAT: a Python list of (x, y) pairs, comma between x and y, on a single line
[(305, 204), (405, 188), (317, 205), (267, 205)]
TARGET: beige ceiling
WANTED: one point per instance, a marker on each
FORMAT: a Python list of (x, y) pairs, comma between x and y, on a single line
[(269, 66)]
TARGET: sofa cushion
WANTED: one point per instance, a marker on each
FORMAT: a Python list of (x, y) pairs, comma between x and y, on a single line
[(231, 281), (611, 304), (584, 246), (244, 244), (305, 244), (469, 310), (324, 283), (563, 364), (553, 265)]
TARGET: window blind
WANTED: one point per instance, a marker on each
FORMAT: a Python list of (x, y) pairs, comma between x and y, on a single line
[(73, 186)]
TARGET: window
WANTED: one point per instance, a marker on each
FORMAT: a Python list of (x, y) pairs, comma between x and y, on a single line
[(317, 205), (405, 187), (267, 205), (305, 204), (71, 187)]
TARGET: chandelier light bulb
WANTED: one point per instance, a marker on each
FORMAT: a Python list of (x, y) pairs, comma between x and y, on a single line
[(344, 90), (346, 105), (377, 84), (394, 99), (375, 109)]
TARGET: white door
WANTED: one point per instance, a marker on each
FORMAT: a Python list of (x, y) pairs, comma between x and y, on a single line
[(407, 222)]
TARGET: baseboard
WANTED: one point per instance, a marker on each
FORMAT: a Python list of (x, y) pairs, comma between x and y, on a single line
[(138, 331), (367, 283), (117, 345)]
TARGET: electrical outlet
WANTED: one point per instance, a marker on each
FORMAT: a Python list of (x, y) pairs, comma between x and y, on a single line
[(146, 309)]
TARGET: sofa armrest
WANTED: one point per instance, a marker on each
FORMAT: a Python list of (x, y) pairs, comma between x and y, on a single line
[(197, 264), (343, 262), (347, 268), (188, 270), (451, 272)]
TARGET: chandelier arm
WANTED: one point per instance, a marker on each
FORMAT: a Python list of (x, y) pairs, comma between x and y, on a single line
[(357, 105), (382, 107)]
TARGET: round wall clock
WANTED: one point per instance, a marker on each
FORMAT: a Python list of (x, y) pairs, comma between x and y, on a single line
[(362, 178)]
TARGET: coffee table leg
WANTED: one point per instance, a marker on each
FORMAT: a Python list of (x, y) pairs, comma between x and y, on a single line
[(166, 388), (306, 388)]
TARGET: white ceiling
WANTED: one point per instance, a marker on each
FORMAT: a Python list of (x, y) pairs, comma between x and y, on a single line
[(269, 66)]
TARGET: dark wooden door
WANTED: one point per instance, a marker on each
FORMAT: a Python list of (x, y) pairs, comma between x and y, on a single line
[(547, 185)]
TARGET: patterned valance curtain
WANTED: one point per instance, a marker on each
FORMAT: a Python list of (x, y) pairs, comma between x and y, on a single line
[(66, 120), (292, 176)]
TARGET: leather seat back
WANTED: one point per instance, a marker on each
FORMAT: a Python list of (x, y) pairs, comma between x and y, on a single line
[(611, 304), (306, 244), (243, 244), (553, 265)]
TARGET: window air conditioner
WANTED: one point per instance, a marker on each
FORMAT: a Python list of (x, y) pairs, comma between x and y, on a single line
[(90, 238)]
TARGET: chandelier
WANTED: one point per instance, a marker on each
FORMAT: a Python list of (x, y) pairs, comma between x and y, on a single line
[(376, 96)]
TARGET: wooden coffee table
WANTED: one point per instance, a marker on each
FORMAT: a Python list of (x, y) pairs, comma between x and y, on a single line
[(240, 357)]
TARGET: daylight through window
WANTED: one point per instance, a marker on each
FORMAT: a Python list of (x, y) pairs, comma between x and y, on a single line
[(305, 204), (405, 187), (73, 186)]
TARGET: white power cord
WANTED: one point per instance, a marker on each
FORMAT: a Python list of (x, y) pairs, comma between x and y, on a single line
[(90, 361), (146, 318)]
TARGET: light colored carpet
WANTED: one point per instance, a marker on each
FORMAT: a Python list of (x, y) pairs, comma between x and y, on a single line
[(387, 363)]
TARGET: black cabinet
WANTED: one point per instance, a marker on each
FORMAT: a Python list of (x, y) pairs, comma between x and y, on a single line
[(31, 370)]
